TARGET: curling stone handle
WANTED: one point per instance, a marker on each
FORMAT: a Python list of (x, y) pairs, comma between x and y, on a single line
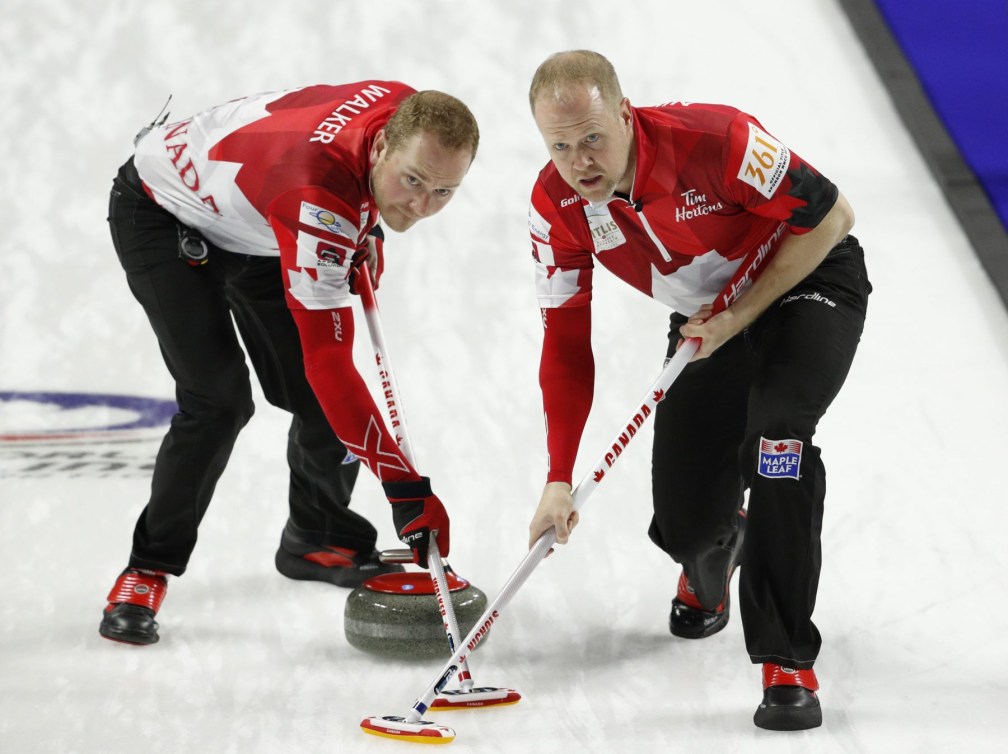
[(396, 556), (404, 555)]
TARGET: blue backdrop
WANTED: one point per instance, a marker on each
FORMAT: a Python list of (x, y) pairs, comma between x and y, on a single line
[(960, 53)]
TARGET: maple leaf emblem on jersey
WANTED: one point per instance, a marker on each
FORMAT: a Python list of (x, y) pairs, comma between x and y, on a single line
[(598, 475), (780, 447), (659, 395)]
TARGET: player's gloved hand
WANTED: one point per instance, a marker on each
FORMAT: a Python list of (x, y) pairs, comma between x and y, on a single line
[(416, 513), (372, 254)]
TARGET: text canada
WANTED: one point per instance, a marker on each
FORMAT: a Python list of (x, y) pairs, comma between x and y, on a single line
[(624, 439)]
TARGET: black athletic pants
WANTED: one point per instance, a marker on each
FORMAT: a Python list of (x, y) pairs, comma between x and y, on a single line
[(773, 381), (190, 309)]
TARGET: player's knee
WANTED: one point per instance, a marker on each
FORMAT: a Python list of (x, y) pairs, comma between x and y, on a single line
[(229, 412), (685, 533), (237, 415)]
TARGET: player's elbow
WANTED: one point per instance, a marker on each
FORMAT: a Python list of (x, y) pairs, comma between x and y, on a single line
[(842, 216)]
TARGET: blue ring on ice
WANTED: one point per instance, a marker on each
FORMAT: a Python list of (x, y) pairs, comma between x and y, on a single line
[(149, 412)]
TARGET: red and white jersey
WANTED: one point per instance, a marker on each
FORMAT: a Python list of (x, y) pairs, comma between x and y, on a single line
[(710, 186), (287, 174), (278, 172)]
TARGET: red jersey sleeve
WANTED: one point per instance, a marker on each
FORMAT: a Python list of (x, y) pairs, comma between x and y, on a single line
[(327, 341), (567, 379), (563, 265), (567, 366), (318, 233), (770, 180)]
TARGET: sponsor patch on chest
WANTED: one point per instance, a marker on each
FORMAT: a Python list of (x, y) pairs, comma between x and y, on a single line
[(604, 231), (779, 459), (695, 205)]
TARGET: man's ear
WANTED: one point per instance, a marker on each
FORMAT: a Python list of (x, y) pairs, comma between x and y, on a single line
[(378, 146), (626, 114)]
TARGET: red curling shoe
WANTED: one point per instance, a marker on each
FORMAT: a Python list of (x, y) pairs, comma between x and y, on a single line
[(133, 603), (299, 559), (691, 620), (789, 699)]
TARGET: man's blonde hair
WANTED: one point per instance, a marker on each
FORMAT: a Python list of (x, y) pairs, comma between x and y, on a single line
[(435, 113), (562, 69)]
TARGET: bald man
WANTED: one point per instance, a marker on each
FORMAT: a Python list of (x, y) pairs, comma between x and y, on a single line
[(701, 208)]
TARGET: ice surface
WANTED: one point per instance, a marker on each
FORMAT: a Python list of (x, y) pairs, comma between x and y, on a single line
[(911, 603)]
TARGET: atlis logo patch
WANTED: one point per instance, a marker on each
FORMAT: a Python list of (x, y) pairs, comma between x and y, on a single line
[(779, 459)]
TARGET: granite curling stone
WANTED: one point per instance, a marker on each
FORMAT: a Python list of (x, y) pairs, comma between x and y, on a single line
[(396, 615)]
